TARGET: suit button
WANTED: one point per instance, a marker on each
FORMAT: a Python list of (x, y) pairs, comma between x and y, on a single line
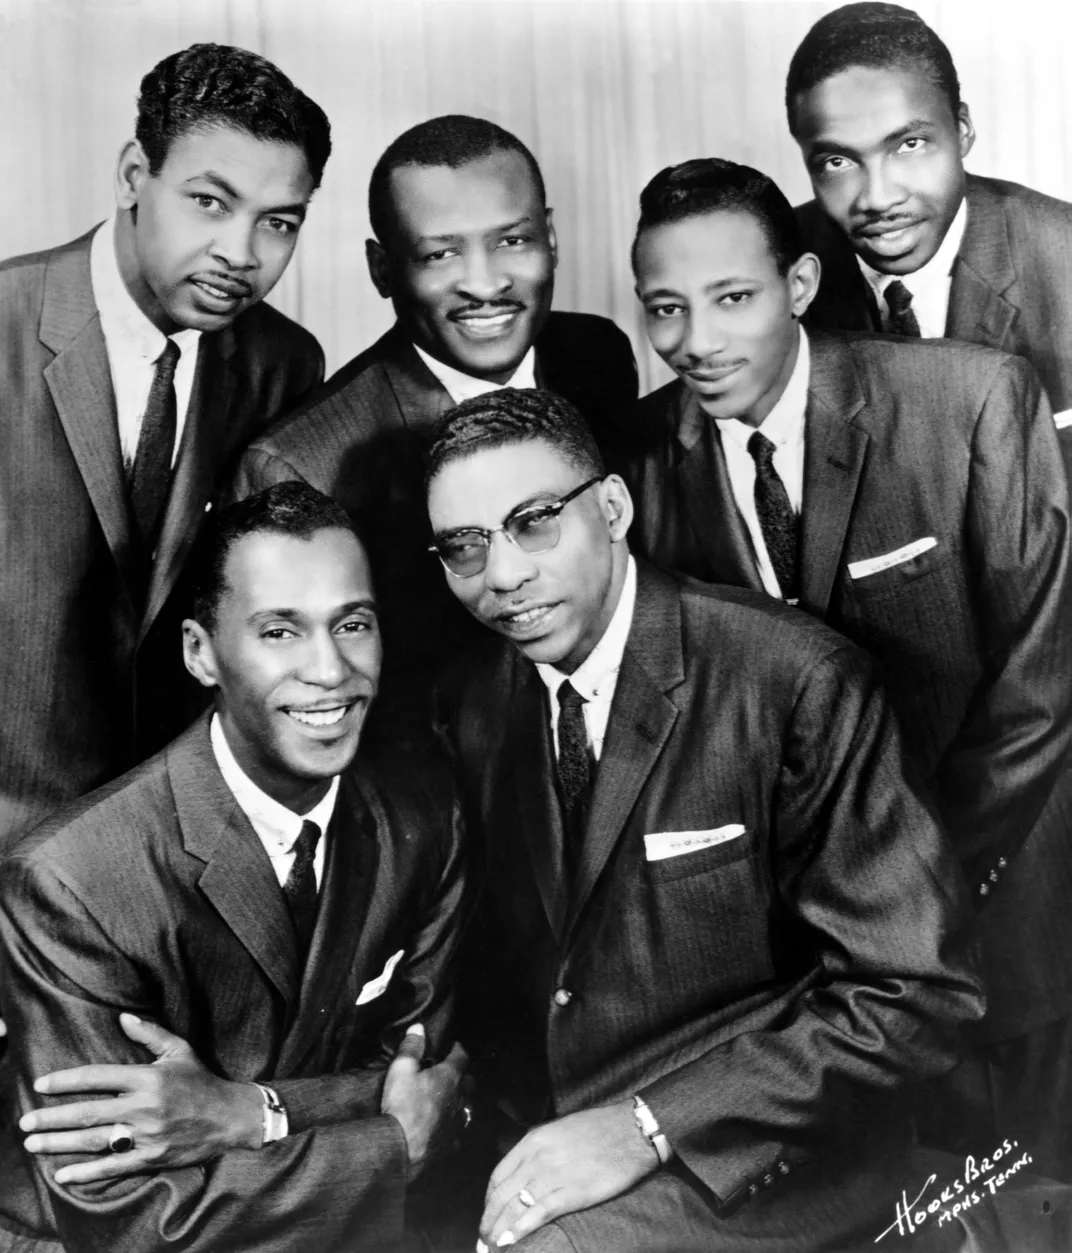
[(208, 507), (1002, 863), (783, 1167), (768, 1180), (753, 1188), (563, 996), (984, 889), (993, 876)]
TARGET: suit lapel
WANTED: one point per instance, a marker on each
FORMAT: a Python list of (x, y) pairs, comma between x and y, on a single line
[(422, 399), (238, 878), (203, 435), (705, 486), (81, 386), (641, 718), (343, 922), (983, 271), (531, 765), (834, 452)]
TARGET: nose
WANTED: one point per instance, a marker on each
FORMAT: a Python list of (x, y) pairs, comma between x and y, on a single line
[(704, 336), (324, 662), (508, 566), (234, 244), (483, 277), (879, 190)]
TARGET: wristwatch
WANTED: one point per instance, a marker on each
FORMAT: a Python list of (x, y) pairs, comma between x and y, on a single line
[(649, 1129), (275, 1115)]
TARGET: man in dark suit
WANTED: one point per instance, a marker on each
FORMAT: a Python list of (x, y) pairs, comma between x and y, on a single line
[(718, 932), (135, 361), (911, 495), (287, 911), (465, 249), (908, 242)]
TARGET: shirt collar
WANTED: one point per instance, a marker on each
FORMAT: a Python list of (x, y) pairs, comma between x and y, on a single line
[(937, 269), (118, 309), (785, 422), (273, 822), (461, 386), (605, 660)]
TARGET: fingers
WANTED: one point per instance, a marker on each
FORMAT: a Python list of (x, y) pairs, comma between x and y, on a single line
[(91, 1140), (411, 1049), (161, 1043), (517, 1219), (75, 1116), (3, 1028), (96, 1078), (112, 1166)]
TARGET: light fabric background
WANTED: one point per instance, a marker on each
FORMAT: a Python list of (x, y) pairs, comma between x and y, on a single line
[(605, 92)]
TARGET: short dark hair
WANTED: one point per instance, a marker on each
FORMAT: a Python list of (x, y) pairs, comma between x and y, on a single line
[(294, 509), (710, 185), (208, 85), (452, 140), (514, 415), (879, 36)]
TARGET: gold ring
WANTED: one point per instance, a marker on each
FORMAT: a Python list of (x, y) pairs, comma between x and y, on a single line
[(526, 1198)]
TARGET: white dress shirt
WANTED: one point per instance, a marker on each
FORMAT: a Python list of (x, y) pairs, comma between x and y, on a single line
[(784, 427), (597, 676), (929, 285), (461, 386), (277, 826), (133, 345)]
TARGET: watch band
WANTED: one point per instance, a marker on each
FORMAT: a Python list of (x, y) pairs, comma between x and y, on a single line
[(275, 1115), (649, 1129)]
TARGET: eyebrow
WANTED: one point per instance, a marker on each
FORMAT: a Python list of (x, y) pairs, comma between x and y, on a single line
[(424, 240), (543, 497), (665, 293), (219, 182), (294, 615), (843, 150)]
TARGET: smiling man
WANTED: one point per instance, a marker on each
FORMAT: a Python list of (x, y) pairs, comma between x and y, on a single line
[(465, 249), (718, 932), (135, 362), (288, 912), (816, 468), (909, 242)]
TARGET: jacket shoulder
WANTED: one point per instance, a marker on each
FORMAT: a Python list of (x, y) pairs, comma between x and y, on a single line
[(588, 338), (1024, 203), (268, 329), (897, 366)]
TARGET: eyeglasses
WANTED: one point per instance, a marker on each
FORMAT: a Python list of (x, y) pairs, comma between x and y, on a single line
[(533, 530)]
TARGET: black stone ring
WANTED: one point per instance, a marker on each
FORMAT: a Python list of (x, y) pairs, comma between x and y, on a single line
[(121, 1139)]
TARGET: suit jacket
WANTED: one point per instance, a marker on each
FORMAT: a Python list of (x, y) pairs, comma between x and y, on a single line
[(92, 674), (363, 441), (156, 896), (1011, 283), (972, 636), (758, 993)]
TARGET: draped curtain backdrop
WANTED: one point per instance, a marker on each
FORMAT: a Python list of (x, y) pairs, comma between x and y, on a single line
[(605, 92)]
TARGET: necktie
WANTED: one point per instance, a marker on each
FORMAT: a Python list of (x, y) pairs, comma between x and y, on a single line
[(151, 475), (899, 302), (777, 521), (574, 768), (300, 887)]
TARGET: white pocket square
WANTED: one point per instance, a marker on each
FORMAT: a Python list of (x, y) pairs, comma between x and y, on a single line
[(662, 844), (1062, 419), (873, 565), (378, 986)]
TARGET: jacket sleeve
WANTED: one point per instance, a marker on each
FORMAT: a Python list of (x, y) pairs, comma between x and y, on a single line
[(258, 470), (865, 878), (997, 774), (335, 1187)]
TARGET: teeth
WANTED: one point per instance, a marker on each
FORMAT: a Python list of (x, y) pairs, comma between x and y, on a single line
[(218, 292), (500, 319), (318, 717), (526, 616)]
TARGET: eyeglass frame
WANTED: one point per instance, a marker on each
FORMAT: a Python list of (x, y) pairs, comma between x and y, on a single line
[(553, 508)]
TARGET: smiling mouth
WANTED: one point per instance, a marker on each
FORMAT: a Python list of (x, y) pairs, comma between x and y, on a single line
[(229, 294), (326, 716), (523, 620), (883, 234), (716, 374), (487, 325)]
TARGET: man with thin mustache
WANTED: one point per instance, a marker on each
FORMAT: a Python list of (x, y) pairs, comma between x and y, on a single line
[(465, 249)]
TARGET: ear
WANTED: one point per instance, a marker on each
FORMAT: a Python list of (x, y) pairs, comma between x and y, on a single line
[(804, 275), (966, 129), (617, 506), (198, 653), (131, 173), (378, 267), (552, 238)]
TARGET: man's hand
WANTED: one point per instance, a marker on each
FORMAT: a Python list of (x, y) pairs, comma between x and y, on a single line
[(178, 1112), (565, 1166), (423, 1101)]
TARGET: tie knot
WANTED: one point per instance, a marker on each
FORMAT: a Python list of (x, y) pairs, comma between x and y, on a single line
[(898, 298), (569, 697), (168, 360), (304, 847), (761, 448)]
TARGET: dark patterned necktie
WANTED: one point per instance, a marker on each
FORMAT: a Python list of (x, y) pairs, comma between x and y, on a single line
[(777, 521), (151, 475), (899, 302), (300, 887), (574, 768)]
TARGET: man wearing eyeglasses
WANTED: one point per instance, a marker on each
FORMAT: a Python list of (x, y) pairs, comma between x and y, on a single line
[(719, 933)]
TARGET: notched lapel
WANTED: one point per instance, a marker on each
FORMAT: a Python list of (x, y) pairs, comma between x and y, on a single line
[(977, 313), (238, 878), (422, 399), (834, 455), (983, 271)]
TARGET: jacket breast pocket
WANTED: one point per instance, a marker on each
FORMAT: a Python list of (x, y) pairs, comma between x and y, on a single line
[(870, 577), (701, 860)]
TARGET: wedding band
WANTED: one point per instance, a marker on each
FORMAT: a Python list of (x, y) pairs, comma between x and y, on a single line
[(121, 1139), (526, 1198)]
